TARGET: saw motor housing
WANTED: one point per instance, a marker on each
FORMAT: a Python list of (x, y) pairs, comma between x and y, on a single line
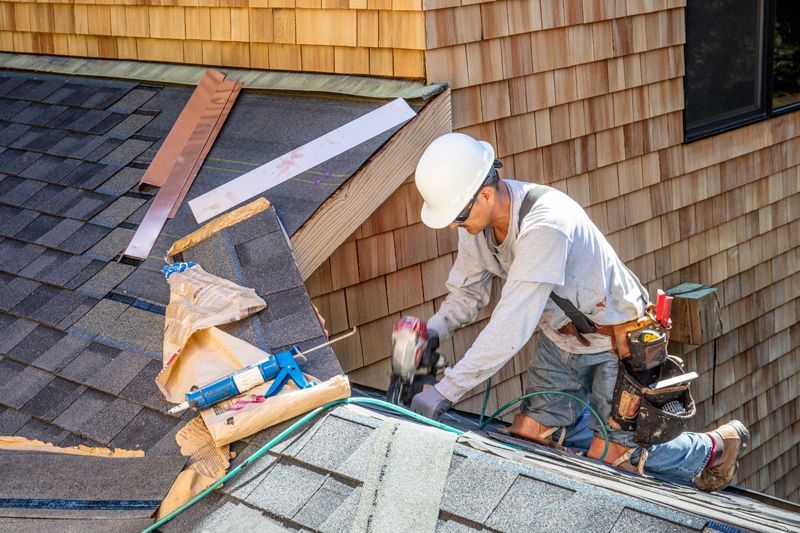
[(412, 365)]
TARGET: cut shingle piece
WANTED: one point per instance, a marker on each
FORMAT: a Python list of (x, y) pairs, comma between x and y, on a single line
[(24, 386), (50, 168), (39, 114), (35, 343), (84, 238)]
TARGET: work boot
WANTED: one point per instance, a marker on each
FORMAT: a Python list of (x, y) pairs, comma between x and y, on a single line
[(735, 438), (618, 455), (527, 428)]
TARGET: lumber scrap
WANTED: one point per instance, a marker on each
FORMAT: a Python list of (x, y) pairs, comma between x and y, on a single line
[(349, 207)]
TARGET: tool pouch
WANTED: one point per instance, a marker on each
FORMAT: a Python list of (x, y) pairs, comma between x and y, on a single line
[(655, 416), (642, 343)]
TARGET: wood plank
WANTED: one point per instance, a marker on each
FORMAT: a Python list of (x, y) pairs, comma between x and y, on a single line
[(408, 63), (401, 29), (344, 265), (349, 60), (376, 338), (390, 215), (376, 256), (381, 62), (326, 27), (333, 307), (404, 288), (414, 244), (434, 275), (347, 209), (366, 301), (284, 57), (317, 58)]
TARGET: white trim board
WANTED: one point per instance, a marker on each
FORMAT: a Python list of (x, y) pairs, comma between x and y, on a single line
[(300, 159)]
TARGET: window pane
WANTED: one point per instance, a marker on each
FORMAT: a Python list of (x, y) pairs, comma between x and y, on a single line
[(724, 44), (786, 81)]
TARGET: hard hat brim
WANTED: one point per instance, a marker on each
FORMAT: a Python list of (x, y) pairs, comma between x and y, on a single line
[(437, 219)]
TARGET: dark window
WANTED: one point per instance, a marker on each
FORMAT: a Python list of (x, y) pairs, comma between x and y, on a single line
[(742, 63)]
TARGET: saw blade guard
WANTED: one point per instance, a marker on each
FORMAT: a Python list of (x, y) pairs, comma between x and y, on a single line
[(409, 337)]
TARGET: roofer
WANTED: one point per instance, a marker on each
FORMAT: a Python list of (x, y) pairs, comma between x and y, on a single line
[(555, 264)]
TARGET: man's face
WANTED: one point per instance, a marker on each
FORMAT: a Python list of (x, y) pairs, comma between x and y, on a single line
[(476, 213)]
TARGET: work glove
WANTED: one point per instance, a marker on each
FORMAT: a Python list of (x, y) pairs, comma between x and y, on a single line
[(430, 403)]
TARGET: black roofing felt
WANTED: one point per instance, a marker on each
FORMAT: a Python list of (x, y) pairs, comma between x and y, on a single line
[(80, 333)]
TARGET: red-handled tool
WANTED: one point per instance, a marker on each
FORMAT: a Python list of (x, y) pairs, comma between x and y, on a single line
[(663, 308)]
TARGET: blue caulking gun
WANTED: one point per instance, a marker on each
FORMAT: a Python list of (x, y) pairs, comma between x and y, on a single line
[(279, 367)]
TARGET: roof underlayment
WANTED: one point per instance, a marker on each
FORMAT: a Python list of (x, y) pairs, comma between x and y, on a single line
[(81, 334)]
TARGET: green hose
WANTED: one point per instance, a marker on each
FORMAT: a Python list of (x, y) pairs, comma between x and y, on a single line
[(312, 414), (285, 433), (558, 393)]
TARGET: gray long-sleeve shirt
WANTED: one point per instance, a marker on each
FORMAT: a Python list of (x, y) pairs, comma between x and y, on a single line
[(556, 248)]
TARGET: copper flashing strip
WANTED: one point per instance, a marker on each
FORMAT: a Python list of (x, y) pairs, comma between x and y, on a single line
[(178, 136), (149, 229), (232, 95)]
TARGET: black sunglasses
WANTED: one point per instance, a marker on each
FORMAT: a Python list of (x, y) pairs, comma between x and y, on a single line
[(464, 214)]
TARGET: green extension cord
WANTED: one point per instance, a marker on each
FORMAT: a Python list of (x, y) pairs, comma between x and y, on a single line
[(373, 401)]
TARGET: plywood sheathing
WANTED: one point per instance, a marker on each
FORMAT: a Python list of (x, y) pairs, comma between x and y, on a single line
[(333, 36), (589, 100)]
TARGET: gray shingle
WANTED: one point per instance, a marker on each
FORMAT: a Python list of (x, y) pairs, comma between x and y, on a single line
[(106, 147), (89, 203), (143, 390), (140, 329), (24, 190), (60, 232), (146, 285), (89, 362), (38, 114), (38, 139), (50, 168), (13, 161), (60, 353), (289, 318), (37, 268), (126, 152), (9, 107), (235, 518), (15, 333), (35, 343), (89, 175), (56, 396), (101, 317), (76, 145), (242, 485), (9, 370), (474, 487), (524, 501), (111, 275), (17, 223), (117, 211), (24, 386), (256, 226), (9, 132), (144, 431), (330, 496), (333, 443), (38, 227), (15, 291), (59, 308), (631, 521), (129, 126), (11, 421), (35, 89), (112, 244), (20, 254), (268, 265), (36, 430), (342, 518), (122, 181), (43, 295), (272, 496), (451, 526), (109, 421), (67, 269), (118, 373), (85, 274), (133, 100), (85, 407)]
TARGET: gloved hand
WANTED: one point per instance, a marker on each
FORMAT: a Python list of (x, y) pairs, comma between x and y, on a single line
[(430, 403)]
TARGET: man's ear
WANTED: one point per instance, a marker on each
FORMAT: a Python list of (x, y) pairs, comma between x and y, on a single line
[(488, 194)]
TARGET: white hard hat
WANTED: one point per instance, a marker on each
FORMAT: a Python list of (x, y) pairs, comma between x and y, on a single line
[(448, 175)]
